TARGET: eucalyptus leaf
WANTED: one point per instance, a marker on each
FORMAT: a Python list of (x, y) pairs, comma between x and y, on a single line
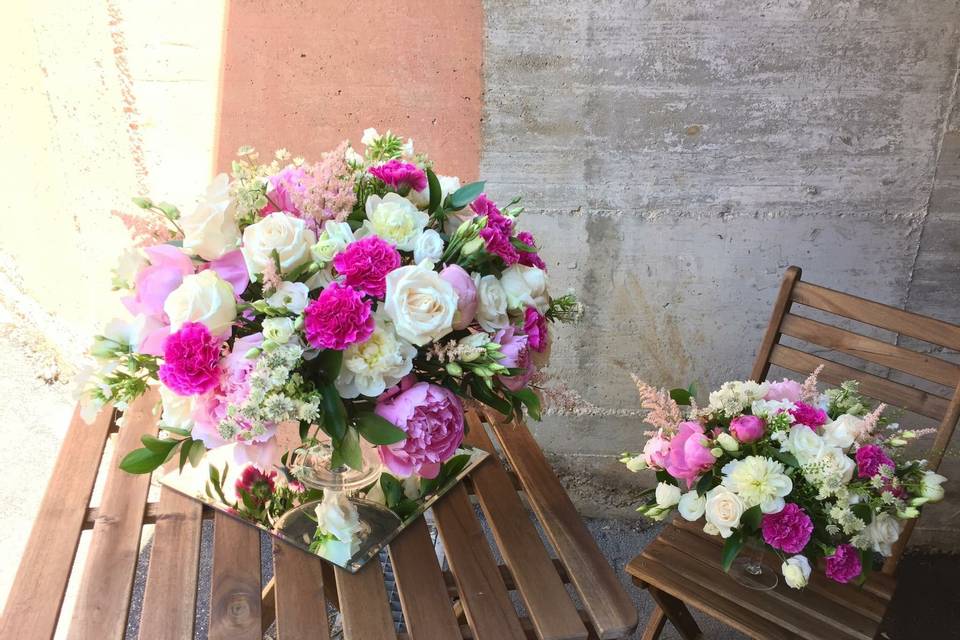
[(377, 430), (435, 191), (465, 195)]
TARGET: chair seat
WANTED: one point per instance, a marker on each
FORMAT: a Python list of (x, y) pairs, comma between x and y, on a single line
[(685, 563)]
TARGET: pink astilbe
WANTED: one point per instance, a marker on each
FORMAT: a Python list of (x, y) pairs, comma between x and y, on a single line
[(870, 422), (270, 277), (662, 412), (808, 392), (321, 191), (146, 231)]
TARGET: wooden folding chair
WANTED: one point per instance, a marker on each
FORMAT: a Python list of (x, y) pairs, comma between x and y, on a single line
[(682, 566), (470, 599)]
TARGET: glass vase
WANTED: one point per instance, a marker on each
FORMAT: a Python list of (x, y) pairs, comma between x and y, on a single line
[(749, 569)]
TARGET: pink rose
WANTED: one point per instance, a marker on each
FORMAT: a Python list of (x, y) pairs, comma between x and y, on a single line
[(656, 450), (466, 291), (844, 565), (338, 318), (689, 455), (788, 530), (432, 418), (366, 263), (516, 355), (747, 428), (191, 360), (788, 390)]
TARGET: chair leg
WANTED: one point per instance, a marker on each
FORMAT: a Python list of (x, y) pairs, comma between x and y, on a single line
[(655, 625), (677, 613)]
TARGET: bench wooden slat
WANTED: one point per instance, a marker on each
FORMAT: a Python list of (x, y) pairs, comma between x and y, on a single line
[(551, 610), (33, 605), (427, 609), (235, 586), (171, 592), (610, 609), (894, 393), (104, 596), (486, 603), (919, 364), (301, 607), (363, 603)]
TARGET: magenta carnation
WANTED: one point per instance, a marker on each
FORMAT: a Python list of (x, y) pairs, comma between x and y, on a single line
[(789, 530), (191, 360), (516, 355), (338, 318), (869, 460), (432, 418), (808, 415), (747, 428), (496, 234), (401, 175), (535, 326), (366, 263), (528, 258), (844, 565)]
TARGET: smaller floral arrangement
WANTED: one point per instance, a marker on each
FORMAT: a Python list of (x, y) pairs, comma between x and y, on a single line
[(805, 475)]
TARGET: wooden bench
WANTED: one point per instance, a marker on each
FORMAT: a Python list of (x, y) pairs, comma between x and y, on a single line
[(471, 599)]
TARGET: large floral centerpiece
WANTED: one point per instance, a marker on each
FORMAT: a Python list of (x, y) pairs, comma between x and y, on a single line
[(361, 295), (803, 474)]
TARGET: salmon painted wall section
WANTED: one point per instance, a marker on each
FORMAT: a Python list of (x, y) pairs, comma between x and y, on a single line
[(306, 75)]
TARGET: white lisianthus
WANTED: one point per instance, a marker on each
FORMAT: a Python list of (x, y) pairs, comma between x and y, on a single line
[(394, 219), (930, 486), (122, 335), (491, 303), (333, 239), (881, 534), (131, 262), (692, 506), (420, 303), (667, 495), (727, 442), (203, 297), (804, 443), (429, 247), (291, 296), (212, 230), (278, 330), (758, 481), (525, 287), (288, 236), (796, 571), (634, 463), (177, 409), (372, 366), (723, 509), (843, 431)]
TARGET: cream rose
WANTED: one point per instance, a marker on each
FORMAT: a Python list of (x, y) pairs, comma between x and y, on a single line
[(796, 571), (420, 303), (803, 443), (429, 247), (723, 509), (491, 303), (667, 495), (692, 506), (394, 219), (525, 287), (280, 232), (203, 297), (291, 296), (882, 532), (211, 230), (843, 431)]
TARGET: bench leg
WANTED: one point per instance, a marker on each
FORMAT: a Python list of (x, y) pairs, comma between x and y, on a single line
[(655, 625), (677, 613)]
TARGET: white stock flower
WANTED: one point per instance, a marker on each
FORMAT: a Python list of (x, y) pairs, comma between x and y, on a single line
[(429, 247), (796, 571), (333, 239), (804, 443), (843, 431), (491, 303), (394, 219), (177, 409), (525, 287), (420, 303), (667, 495), (723, 509), (881, 534), (278, 330), (203, 297), (372, 366), (692, 506), (758, 481), (280, 232), (291, 296), (211, 229)]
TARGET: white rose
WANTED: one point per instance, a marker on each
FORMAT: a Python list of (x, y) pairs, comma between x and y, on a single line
[(491, 303), (420, 303), (692, 506), (882, 532), (667, 495), (211, 230), (803, 443), (842, 431), (333, 239), (278, 330), (291, 296), (525, 287), (394, 219), (429, 247), (723, 509), (796, 571), (177, 409), (381, 361), (930, 486), (370, 135), (203, 297), (279, 232)]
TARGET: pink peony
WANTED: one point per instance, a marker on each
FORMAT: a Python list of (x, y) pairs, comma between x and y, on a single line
[(284, 188), (256, 484), (496, 234), (656, 451), (789, 530), (747, 428), (400, 175), (366, 263), (535, 326), (689, 455), (191, 360), (466, 290), (869, 460), (844, 565), (516, 355), (808, 415), (788, 390), (527, 258), (432, 418), (338, 318)]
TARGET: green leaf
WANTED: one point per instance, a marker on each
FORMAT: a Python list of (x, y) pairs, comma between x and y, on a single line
[(329, 361), (481, 392), (169, 210), (731, 548), (788, 459), (863, 511), (335, 414), (681, 396), (429, 485), (350, 449), (435, 191), (453, 466), (522, 247), (304, 430), (197, 450), (377, 430), (530, 400), (405, 508), (392, 489), (143, 203), (176, 431), (184, 456), (704, 484), (142, 461), (465, 195), (751, 518), (157, 445)]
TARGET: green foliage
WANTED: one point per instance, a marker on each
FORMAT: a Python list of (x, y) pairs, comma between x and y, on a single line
[(731, 549), (435, 192), (752, 518), (141, 461), (448, 471), (530, 400), (464, 195), (377, 430)]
